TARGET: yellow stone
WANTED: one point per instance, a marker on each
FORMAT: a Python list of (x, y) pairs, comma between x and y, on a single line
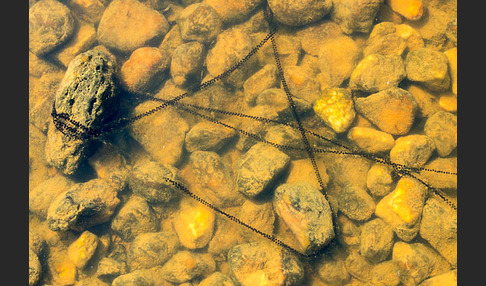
[(336, 107), (403, 200), (194, 224), (371, 140), (410, 9), (81, 250), (64, 271), (257, 278), (451, 55), (448, 103)]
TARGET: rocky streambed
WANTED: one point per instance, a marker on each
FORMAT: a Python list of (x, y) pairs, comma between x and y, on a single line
[(222, 186)]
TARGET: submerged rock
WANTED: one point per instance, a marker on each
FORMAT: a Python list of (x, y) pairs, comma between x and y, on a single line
[(376, 240), (217, 279), (428, 67), (259, 167), (379, 180), (186, 63), (50, 25), (260, 81), (286, 135), (335, 106), (299, 13), (402, 208), (88, 95), (338, 58), (145, 69), (446, 279), (412, 150), (127, 25), (83, 205), (331, 270), (384, 39), (441, 127), (371, 140), (302, 83), (307, 214), (385, 274), (186, 265), (234, 11), (41, 196), (199, 22), (377, 72), (161, 134), (355, 203), (194, 224), (411, 10), (134, 218), (358, 266), (148, 181), (35, 268), (441, 180), (231, 45), (212, 179), (439, 228), (151, 249), (83, 248), (355, 15), (207, 136), (261, 262), (392, 110), (417, 262), (258, 215)]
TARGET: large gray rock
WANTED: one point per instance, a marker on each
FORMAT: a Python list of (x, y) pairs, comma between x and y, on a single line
[(83, 205), (259, 167), (307, 214)]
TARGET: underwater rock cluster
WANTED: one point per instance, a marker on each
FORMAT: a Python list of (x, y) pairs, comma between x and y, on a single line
[(157, 166)]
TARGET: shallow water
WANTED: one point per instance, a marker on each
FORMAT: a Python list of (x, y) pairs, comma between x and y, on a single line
[(329, 176)]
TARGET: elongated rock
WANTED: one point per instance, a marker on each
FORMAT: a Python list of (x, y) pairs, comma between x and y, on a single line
[(307, 214), (83, 205), (88, 95)]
